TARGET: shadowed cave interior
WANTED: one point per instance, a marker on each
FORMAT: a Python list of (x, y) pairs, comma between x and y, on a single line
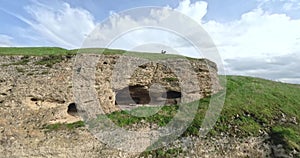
[(72, 109), (140, 95)]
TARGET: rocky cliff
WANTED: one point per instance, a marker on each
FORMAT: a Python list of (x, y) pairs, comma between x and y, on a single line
[(38, 91), (45, 83), (126, 80)]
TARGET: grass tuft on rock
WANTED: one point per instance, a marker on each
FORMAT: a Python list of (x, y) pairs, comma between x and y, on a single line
[(64, 126)]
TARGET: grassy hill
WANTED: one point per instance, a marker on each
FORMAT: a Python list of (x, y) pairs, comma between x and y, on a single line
[(44, 51), (33, 51), (56, 52), (53, 55), (252, 105)]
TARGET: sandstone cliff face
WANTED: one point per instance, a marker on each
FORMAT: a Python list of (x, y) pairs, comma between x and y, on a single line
[(129, 80), (34, 94), (34, 86)]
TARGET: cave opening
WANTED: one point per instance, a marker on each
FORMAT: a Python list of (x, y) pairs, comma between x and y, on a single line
[(132, 95), (72, 109), (172, 97)]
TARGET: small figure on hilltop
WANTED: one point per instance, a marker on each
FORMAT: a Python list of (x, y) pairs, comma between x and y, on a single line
[(163, 52)]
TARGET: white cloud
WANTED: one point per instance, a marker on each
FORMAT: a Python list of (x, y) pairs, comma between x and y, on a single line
[(195, 10), (256, 34), (130, 30), (247, 45), (280, 68), (5, 41), (64, 26), (117, 23)]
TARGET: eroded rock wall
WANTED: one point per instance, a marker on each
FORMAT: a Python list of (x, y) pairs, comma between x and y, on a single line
[(194, 78), (27, 83)]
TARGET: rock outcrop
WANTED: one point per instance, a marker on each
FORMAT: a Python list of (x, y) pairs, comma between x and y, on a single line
[(125, 80), (38, 91)]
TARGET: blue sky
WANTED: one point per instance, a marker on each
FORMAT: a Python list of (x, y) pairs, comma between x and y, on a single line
[(254, 37)]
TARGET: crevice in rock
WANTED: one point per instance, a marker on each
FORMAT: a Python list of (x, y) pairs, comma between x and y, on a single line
[(56, 101), (34, 99), (143, 66), (3, 94), (72, 109)]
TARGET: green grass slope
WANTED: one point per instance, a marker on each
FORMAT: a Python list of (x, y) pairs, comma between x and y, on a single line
[(56, 51), (33, 51), (252, 105)]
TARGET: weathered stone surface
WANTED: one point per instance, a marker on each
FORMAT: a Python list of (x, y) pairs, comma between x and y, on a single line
[(32, 96), (197, 78)]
